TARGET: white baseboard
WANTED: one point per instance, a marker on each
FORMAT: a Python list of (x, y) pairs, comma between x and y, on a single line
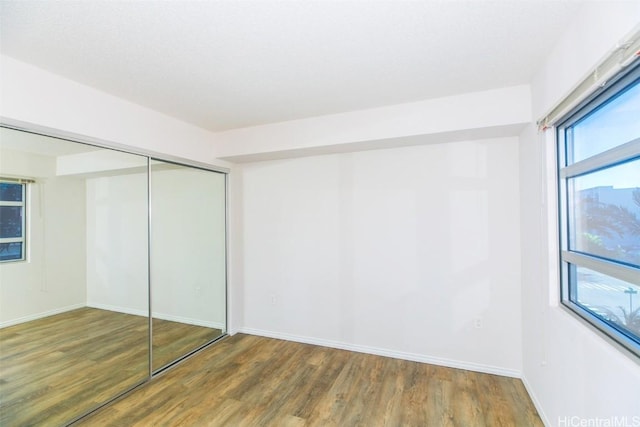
[(414, 357), (535, 401), (118, 309), (40, 315), (189, 321), (169, 317)]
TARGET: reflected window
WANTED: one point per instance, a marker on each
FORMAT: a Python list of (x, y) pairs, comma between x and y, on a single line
[(599, 189), (12, 221)]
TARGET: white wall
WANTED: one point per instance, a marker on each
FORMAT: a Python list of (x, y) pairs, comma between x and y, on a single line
[(394, 252), (188, 246), (52, 278), (188, 225), (570, 370), (117, 244)]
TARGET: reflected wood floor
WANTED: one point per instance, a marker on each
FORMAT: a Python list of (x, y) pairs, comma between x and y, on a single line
[(253, 381), (56, 368)]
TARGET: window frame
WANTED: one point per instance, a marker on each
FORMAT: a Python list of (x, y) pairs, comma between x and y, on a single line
[(23, 205), (570, 260)]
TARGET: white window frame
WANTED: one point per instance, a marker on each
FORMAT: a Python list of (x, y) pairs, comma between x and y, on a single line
[(568, 259), (23, 204)]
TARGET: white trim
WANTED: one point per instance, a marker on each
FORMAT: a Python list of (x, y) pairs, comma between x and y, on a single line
[(536, 401), (190, 321), (619, 271), (125, 310), (41, 315), (414, 357), (11, 239), (612, 157), (145, 313)]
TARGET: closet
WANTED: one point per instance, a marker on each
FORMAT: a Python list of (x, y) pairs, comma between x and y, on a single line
[(112, 268)]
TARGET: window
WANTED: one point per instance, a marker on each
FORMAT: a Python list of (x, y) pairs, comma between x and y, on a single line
[(12, 220), (599, 203)]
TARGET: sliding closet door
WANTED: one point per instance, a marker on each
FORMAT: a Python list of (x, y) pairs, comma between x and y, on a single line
[(188, 277), (74, 326)]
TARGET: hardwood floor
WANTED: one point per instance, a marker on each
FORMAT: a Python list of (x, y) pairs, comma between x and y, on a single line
[(172, 340), (56, 368), (252, 381)]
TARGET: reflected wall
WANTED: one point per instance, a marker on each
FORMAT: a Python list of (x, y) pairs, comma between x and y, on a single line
[(61, 356), (187, 259)]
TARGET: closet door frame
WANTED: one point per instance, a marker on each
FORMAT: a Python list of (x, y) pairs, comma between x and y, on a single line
[(150, 155), (153, 372)]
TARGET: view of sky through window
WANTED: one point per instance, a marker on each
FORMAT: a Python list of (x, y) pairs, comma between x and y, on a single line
[(601, 215), (614, 123)]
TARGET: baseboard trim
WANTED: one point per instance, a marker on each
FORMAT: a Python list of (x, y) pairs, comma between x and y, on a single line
[(189, 321), (535, 401), (144, 313), (40, 315), (118, 309), (414, 357)]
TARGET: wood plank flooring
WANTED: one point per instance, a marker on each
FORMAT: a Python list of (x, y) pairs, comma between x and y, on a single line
[(172, 340), (56, 368), (252, 381)]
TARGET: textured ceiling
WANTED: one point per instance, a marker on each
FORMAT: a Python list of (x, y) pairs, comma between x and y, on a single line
[(230, 64)]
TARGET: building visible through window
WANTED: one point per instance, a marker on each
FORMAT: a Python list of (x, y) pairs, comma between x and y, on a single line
[(599, 191)]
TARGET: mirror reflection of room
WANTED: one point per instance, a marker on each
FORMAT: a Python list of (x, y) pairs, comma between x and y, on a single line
[(187, 259), (61, 340), (75, 327)]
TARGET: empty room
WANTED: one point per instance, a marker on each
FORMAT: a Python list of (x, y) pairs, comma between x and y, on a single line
[(320, 213)]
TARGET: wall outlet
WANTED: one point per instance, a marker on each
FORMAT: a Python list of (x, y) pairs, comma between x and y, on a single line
[(477, 322)]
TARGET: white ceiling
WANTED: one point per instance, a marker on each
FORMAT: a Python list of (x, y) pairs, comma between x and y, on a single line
[(229, 64)]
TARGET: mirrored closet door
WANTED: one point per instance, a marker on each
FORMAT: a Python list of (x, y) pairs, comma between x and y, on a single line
[(187, 259), (86, 290), (73, 277)]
